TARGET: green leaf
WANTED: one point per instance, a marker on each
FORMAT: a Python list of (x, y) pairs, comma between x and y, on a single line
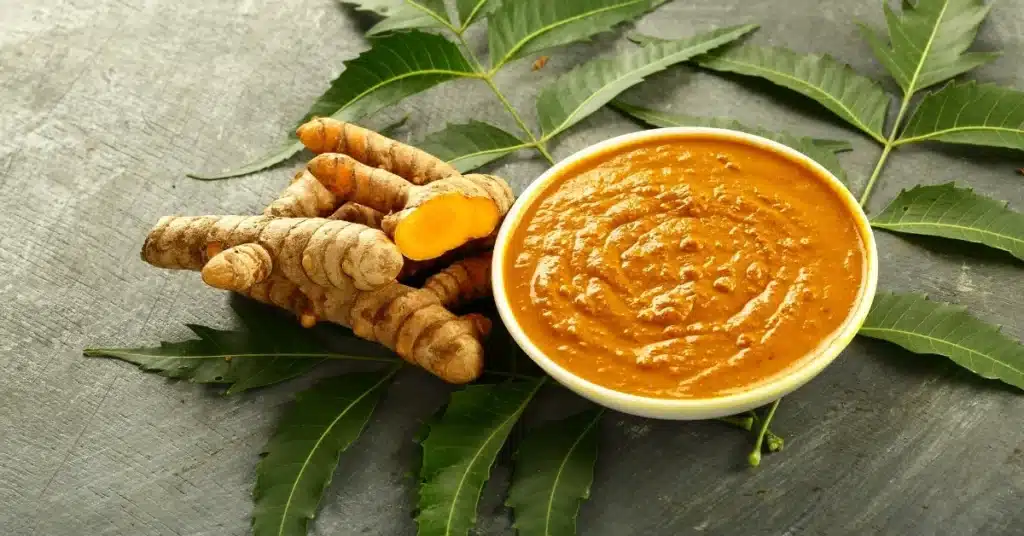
[(590, 86), (396, 66), (521, 27), (969, 113), (470, 145), (270, 350), (553, 472), (855, 98), (301, 456), (286, 151), (927, 327), (237, 358), (947, 211), (821, 151), (658, 118), (403, 14), (470, 10), (460, 449), (928, 41)]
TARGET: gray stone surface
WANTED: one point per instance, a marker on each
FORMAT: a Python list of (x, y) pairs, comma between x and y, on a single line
[(108, 103)]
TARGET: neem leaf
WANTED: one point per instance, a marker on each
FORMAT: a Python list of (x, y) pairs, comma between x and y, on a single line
[(521, 27), (969, 113), (855, 98), (928, 41), (822, 151), (658, 118), (470, 145), (461, 448), (301, 456), (289, 149), (553, 472), (241, 359), (469, 10), (403, 14), (270, 350), (396, 66), (927, 327), (587, 88), (951, 212)]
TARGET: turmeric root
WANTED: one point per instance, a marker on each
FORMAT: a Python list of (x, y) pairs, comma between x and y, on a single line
[(305, 197), (425, 221), (238, 268), (309, 251), (343, 268), (356, 213), (327, 135), (409, 321), (462, 282)]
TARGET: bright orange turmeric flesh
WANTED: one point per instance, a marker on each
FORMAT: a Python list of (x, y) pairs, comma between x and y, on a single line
[(684, 267), (444, 223)]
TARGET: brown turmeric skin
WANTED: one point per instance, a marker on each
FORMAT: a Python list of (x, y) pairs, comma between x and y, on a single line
[(326, 135), (323, 249), (409, 321), (324, 270), (305, 197), (356, 213), (462, 282), (307, 250)]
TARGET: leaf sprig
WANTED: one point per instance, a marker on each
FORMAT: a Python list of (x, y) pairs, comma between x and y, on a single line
[(401, 64), (926, 45)]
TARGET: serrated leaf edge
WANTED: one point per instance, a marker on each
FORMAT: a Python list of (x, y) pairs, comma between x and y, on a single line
[(936, 341), (741, 30), (852, 117), (305, 463), (899, 226), (515, 415), (547, 518), (561, 22)]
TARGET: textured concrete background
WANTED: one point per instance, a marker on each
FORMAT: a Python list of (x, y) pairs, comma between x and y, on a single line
[(106, 104)]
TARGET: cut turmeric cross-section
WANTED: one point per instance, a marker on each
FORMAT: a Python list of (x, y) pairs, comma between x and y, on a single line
[(424, 221)]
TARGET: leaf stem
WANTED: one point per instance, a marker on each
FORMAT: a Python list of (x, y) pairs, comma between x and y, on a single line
[(875, 174), (534, 142), (754, 459), (890, 142), (488, 78)]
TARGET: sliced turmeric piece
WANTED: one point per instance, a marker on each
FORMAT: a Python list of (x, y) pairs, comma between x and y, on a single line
[(310, 251), (424, 221), (327, 135)]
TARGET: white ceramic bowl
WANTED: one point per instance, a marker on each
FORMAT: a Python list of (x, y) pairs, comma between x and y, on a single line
[(694, 408)]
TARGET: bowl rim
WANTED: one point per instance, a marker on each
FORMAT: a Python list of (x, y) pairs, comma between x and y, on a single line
[(782, 383)]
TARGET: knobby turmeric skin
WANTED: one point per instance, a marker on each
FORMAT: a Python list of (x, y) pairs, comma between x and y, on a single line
[(327, 135), (323, 248)]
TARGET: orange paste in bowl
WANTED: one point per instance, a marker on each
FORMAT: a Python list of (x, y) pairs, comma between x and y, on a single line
[(684, 267)]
